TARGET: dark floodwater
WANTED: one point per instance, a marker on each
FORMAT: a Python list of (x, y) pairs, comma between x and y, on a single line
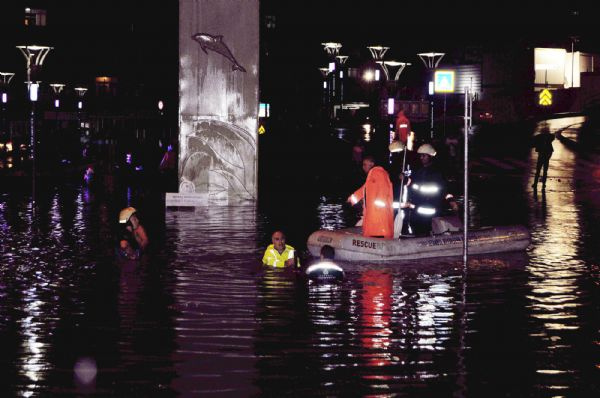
[(197, 318)]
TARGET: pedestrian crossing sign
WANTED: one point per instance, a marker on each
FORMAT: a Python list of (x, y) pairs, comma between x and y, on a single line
[(444, 81)]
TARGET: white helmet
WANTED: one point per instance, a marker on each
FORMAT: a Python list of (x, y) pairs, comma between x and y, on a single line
[(426, 149), (396, 146), (125, 214)]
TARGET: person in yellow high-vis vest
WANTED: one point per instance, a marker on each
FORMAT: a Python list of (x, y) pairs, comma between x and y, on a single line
[(278, 254)]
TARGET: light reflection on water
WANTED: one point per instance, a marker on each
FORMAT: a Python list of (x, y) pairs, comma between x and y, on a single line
[(556, 298), (234, 329), (330, 215), (199, 317)]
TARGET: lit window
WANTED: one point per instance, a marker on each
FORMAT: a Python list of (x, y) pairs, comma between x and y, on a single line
[(35, 17)]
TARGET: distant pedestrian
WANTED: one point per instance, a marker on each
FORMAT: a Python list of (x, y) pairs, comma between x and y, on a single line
[(543, 146)]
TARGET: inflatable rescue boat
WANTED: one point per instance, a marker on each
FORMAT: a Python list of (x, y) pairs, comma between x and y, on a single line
[(350, 245)]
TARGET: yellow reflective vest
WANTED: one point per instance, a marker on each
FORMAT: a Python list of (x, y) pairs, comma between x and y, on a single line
[(274, 259)]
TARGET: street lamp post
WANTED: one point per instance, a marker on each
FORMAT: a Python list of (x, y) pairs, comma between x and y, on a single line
[(388, 69), (332, 49), (431, 61), (57, 88), (341, 60), (80, 93), (34, 57), (324, 72), (468, 119), (377, 53), (392, 75)]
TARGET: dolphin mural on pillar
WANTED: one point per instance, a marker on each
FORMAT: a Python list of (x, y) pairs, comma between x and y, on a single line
[(216, 44)]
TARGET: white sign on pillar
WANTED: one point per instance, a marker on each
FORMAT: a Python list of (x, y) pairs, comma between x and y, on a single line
[(218, 97)]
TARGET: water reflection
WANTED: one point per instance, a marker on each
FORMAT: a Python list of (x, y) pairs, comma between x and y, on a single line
[(215, 253), (375, 314), (330, 216), (33, 349), (556, 274), (59, 302), (200, 317), (402, 321)]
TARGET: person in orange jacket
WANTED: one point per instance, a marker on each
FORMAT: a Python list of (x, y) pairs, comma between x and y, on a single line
[(402, 127), (377, 196)]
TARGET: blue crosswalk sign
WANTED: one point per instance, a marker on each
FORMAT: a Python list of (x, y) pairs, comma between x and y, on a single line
[(444, 81)]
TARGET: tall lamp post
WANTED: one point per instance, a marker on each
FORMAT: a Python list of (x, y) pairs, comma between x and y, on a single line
[(392, 75), (377, 52), (392, 71), (34, 57), (431, 61), (80, 93), (333, 50), (324, 72), (5, 78), (57, 88), (341, 60), (388, 69)]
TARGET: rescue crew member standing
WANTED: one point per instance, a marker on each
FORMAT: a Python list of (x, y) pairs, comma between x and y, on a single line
[(427, 191), (377, 196), (402, 127), (278, 254)]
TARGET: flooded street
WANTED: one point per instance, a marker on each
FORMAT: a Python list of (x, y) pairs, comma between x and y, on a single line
[(198, 316)]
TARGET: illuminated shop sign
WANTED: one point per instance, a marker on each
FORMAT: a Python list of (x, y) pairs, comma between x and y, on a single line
[(264, 110)]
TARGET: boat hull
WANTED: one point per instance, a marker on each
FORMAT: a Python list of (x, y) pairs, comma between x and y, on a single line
[(350, 245)]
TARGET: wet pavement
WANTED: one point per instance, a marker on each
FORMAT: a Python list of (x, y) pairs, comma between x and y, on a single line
[(197, 317)]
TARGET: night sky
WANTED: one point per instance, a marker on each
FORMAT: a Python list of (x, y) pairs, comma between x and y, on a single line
[(425, 26), (138, 40)]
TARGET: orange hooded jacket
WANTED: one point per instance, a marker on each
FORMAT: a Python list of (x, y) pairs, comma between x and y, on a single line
[(377, 195), (402, 127)]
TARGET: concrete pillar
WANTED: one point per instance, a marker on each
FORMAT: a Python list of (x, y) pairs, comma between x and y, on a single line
[(218, 90)]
